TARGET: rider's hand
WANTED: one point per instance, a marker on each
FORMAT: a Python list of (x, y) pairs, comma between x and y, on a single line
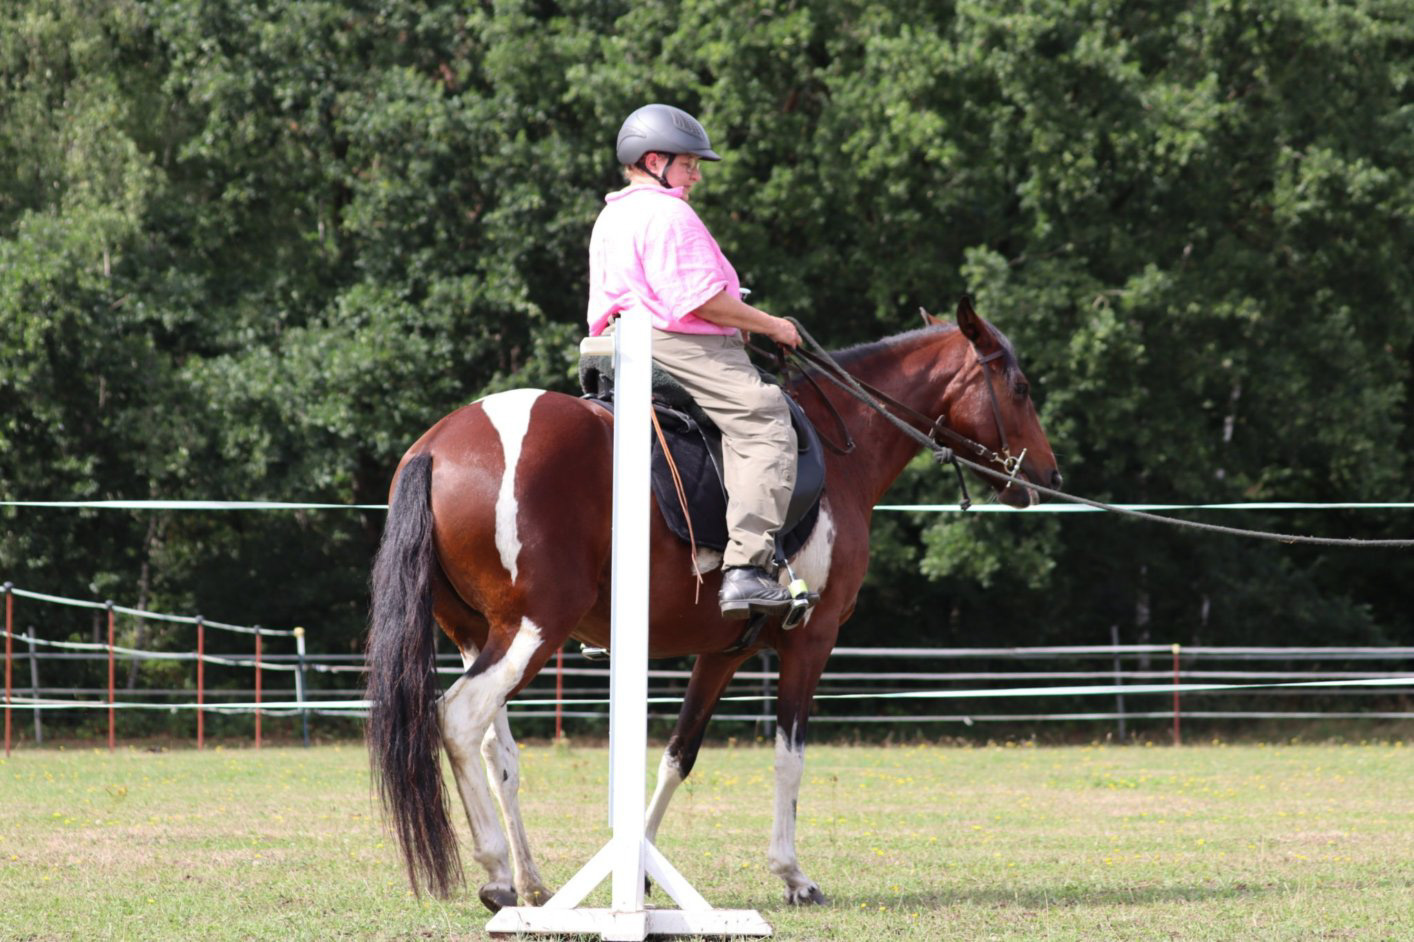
[(784, 333)]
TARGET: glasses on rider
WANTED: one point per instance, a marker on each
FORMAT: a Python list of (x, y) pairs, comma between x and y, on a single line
[(689, 163)]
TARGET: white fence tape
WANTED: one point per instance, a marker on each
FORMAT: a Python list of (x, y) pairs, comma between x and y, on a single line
[(186, 505), (935, 508), (155, 616), (1117, 685), (242, 661), (1149, 508), (1108, 690)]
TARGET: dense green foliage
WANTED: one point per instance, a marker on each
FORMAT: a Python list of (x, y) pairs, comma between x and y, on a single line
[(253, 249)]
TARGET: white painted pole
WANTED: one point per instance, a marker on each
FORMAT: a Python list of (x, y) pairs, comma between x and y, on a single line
[(628, 664), (628, 856)]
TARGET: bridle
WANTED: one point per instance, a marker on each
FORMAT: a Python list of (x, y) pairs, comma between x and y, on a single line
[(932, 433), (1010, 463)]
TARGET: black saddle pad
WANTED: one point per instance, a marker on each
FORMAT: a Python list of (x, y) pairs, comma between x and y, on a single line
[(696, 447), (697, 453)]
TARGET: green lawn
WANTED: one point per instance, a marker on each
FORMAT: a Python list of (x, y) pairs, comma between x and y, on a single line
[(1206, 842)]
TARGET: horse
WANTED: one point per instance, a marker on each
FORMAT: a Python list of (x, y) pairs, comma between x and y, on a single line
[(498, 533)]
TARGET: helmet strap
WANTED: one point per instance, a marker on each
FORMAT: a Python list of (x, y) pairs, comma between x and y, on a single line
[(662, 178)]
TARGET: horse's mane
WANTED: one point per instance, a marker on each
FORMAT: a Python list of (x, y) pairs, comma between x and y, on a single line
[(866, 350)]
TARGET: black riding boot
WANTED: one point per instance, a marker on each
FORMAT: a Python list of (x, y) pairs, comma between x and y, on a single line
[(747, 589)]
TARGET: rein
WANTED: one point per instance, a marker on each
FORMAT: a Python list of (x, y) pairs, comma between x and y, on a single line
[(878, 400), (819, 357)]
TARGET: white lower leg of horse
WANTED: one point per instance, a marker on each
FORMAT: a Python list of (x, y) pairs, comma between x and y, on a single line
[(498, 749), (468, 710), (790, 768), (669, 778)]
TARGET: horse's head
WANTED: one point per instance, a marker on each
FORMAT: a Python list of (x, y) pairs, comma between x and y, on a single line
[(989, 402)]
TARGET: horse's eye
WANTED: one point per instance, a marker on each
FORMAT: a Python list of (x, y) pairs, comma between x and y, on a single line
[(1022, 390)]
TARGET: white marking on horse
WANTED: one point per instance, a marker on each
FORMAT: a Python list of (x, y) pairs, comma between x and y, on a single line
[(669, 778), (468, 709), (509, 413), (502, 760), (498, 751), (790, 769), (708, 559), (813, 561)]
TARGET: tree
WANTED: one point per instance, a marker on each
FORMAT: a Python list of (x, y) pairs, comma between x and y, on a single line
[(254, 250)]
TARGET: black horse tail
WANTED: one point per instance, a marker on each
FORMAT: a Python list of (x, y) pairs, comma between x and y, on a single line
[(404, 730)]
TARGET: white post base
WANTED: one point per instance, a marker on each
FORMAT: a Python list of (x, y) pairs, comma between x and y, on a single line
[(630, 927), (561, 913)]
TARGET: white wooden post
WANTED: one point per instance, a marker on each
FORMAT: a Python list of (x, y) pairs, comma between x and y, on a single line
[(628, 856)]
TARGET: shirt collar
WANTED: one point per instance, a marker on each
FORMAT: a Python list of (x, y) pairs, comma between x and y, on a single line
[(633, 188)]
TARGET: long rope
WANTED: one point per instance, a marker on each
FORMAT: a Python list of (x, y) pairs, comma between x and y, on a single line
[(842, 378)]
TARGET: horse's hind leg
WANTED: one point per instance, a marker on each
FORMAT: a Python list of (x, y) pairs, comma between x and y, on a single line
[(461, 716), (498, 749), (468, 711)]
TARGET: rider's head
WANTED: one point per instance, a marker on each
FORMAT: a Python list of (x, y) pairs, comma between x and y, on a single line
[(654, 138)]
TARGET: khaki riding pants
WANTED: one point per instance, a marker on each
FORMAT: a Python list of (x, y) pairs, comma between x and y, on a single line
[(758, 441)]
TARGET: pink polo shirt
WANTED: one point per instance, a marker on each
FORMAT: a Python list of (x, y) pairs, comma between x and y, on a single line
[(651, 254)]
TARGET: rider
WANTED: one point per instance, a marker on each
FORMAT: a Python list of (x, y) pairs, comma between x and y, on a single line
[(651, 256)]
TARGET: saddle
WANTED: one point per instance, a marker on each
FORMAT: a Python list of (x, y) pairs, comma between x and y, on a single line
[(696, 446)]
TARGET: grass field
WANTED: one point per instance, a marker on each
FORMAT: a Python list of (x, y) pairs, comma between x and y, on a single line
[(1206, 842)]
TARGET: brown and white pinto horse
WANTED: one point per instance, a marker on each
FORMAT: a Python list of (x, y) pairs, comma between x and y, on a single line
[(498, 532)]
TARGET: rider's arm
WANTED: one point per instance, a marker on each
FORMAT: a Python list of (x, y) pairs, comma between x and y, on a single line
[(728, 311)]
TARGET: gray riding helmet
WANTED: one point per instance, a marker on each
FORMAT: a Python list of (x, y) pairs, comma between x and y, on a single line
[(665, 129)]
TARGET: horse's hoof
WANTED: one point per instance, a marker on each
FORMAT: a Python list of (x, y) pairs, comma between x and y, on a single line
[(497, 898), (806, 896), (536, 895)]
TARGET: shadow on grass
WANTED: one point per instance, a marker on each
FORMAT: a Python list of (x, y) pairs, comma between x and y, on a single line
[(1049, 897)]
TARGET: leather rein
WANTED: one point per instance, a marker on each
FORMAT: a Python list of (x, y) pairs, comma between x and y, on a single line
[(1011, 464), (927, 431)]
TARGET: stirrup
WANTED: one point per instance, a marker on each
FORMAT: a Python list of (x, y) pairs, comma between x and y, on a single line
[(800, 606), (802, 600)]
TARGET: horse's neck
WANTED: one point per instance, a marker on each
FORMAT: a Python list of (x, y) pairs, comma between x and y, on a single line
[(915, 369)]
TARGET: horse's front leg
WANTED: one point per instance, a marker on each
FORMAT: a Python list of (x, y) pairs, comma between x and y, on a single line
[(498, 749), (800, 674), (710, 676)]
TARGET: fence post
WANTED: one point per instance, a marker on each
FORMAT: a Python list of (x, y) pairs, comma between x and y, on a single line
[(1119, 682), (560, 694), (1176, 739), (9, 656), (112, 687), (200, 682), (34, 688), (299, 685), (257, 686), (768, 722)]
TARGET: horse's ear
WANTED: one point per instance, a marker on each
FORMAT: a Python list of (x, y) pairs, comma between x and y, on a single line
[(928, 319), (974, 328), (968, 321)]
